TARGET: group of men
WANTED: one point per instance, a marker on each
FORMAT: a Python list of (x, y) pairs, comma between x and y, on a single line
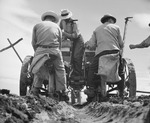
[(47, 39)]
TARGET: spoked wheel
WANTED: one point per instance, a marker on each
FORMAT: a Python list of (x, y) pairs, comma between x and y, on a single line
[(24, 75), (130, 79)]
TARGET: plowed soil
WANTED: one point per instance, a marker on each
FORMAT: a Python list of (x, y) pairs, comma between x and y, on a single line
[(30, 109)]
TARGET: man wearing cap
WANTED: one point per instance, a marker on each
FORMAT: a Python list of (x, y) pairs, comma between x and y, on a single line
[(46, 41), (106, 39), (70, 31)]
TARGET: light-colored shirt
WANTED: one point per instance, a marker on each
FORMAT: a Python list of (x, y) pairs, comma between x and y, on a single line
[(70, 28), (106, 37), (46, 33)]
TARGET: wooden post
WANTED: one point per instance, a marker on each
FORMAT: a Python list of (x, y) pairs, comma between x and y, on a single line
[(15, 50)]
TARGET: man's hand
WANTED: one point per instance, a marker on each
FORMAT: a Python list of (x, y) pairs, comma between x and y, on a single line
[(68, 35), (63, 32), (131, 46), (86, 46)]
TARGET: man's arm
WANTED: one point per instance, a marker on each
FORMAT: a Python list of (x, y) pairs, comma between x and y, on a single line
[(75, 31), (92, 43), (60, 38), (121, 42), (143, 44), (34, 39)]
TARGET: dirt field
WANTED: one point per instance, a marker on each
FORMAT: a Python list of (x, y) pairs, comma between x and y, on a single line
[(30, 109)]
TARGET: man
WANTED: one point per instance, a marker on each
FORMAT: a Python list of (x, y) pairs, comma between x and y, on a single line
[(46, 41), (71, 32), (143, 44), (106, 39)]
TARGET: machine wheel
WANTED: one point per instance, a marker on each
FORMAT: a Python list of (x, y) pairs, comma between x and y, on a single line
[(23, 75), (131, 81)]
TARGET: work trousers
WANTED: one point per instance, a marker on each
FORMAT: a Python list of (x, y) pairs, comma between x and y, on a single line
[(77, 56), (60, 74), (93, 68)]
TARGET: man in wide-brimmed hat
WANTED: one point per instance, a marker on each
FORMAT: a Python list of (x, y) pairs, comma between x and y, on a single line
[(107, 41), (71, 32), (46, 41)]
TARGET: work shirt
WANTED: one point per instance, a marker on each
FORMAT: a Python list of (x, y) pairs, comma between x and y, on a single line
[(46, 33), (105, 37), (146, 42), (46, 40), (70, 28)]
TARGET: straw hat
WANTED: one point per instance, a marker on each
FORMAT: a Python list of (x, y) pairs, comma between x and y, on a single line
[(50, 13), (65, 14), (105, 17)]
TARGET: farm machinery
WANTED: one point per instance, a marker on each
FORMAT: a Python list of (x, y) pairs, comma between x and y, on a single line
[(75, 85)]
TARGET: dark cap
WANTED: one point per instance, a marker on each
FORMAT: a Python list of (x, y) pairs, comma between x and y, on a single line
[(105, 17)]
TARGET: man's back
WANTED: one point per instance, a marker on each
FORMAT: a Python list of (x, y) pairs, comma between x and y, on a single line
[(47, 33), (108, 37)]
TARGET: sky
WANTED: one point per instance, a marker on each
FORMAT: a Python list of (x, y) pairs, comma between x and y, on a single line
[(19, 16)]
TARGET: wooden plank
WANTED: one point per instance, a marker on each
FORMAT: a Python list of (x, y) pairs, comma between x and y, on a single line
[(88, 56), (11, 45)]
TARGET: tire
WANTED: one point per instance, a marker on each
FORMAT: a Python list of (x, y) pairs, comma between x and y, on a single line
[(131, 81), (23, 75)]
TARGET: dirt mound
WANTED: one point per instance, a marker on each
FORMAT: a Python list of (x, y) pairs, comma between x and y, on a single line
[(127, 111), (30, 109)]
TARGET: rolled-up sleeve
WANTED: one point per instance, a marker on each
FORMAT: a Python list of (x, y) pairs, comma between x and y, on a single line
[(34, 40), (146, 42), (120, 40), (92, 43), (60, 37)]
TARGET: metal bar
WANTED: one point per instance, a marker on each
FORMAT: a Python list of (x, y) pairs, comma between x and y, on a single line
[(11, 45), (143, 92), (124, 34), (15, 50), (125, 27)]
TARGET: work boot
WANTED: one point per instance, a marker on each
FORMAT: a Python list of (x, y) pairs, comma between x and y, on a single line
[(35, 91), (64, 96), (90, 92)]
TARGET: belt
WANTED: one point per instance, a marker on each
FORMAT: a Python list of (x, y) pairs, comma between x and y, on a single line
[(46, 46), (107, 52)]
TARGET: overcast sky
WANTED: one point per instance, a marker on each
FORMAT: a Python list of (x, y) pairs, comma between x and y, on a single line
[(19, 16)]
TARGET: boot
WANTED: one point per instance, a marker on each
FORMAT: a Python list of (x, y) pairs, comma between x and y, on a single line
[(90, 92), (63, 96), (35, 91)]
